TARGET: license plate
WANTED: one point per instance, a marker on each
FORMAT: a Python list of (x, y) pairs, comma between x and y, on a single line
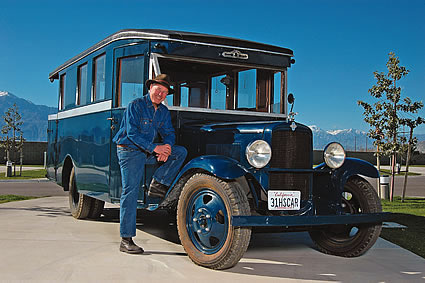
[(284, 200)]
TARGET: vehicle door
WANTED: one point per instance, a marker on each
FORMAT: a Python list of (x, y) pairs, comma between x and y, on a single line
[(52, 158), (130, 74)]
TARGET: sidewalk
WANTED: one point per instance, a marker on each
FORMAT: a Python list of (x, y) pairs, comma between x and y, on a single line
[(414, 169), (41, 241), (3, 168)]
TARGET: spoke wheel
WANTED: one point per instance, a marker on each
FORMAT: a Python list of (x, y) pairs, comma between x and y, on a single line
[(352, 240), (204, 213)]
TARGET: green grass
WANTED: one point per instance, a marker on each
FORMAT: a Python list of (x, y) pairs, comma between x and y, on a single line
[(411, 213), (8, 198), (26, 174), (31, 165)]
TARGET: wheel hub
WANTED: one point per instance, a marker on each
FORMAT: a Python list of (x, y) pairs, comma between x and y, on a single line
[(202, 221), (206, 220)]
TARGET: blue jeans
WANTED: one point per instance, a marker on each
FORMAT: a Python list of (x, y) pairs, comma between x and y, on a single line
[(132, 164)]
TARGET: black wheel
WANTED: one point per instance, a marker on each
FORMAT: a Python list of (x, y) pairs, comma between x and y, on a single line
[(96, 208), (204, 212), (79, 204), (352, 240)]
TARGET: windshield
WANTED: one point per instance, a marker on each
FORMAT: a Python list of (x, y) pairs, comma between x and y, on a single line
[(215, 85)]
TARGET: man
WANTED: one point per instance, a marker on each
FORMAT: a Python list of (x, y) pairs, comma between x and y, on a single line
[(143, 119)]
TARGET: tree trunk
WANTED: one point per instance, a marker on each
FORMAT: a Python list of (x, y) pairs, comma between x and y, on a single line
[(394, 156), (409, 150), (378, 165)]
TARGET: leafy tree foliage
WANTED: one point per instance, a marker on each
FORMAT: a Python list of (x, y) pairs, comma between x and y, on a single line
[(12, 140), (385, 116)]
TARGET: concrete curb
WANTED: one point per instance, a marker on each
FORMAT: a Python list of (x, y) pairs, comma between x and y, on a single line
[(38, 180)]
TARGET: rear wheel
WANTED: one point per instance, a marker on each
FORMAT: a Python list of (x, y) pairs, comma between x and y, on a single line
[(96, 208), (352, 240), (79, 204), (204, 212)]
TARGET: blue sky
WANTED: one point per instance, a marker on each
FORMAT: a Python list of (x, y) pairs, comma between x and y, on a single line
[(337, 44)]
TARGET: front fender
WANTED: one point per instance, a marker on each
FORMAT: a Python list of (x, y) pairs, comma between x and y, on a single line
[(220, 166), (351, 167)]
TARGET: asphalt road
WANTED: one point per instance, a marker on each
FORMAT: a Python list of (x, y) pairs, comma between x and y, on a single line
[(415, 185), (40, 241), (32, 188), (39, 188)]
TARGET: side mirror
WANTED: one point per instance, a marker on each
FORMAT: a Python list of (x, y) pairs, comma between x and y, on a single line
[(291, 98)]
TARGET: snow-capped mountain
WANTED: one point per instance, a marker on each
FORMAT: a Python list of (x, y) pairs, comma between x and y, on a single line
[(350, 139), (34, 116)]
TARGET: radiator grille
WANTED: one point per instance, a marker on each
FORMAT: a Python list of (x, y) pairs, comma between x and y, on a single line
[(291, 149)]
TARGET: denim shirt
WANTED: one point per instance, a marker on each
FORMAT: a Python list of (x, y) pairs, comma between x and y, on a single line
[(141, 124)]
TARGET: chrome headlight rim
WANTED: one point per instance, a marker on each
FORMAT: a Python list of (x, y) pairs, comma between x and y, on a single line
[(258, 153), (334, 155)]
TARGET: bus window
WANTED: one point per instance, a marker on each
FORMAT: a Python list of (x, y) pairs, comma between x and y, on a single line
[(170, 98), (62, 91), (184, 98), (99, 78), (277, 92), (82, 94), (130, 85), (218, 93), (198, 95), (247, 89)]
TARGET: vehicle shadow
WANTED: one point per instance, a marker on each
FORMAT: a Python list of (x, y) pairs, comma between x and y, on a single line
[(158, 223), (267, 254)]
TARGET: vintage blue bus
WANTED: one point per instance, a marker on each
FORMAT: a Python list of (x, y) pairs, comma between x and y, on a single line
[(249, 162)]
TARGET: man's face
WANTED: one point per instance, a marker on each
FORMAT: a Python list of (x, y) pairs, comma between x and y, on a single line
[(158, 93)]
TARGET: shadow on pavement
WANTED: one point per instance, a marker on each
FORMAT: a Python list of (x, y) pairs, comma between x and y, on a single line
[(44, 211), (264, 255), (158, 223)]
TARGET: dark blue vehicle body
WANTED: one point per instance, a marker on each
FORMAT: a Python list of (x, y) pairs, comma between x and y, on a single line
[(80, 134)]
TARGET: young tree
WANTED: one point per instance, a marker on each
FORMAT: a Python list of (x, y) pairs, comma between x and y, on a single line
[(11, 130), (412, 124), (385, 112)]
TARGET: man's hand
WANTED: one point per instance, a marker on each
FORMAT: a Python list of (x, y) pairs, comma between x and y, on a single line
[(162, 152)]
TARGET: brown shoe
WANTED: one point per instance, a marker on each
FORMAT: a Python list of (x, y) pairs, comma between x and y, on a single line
[(157, 190), (128, 246)]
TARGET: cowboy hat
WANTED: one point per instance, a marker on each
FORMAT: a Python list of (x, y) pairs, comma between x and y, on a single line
[(161, 79)]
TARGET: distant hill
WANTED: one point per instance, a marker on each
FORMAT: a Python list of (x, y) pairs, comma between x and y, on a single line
[(420, 146), (350, 139), (34, 116)]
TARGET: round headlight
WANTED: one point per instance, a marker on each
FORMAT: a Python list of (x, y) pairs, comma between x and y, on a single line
[(334, 155), (258, 153)]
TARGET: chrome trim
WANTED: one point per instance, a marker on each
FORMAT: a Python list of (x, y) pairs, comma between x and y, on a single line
[(257, 131), (52, 117), (155, 65), (233, 112), (86, 109), (235, 54)]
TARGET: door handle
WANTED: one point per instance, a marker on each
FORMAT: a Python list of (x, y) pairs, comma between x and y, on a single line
[(113, 121)]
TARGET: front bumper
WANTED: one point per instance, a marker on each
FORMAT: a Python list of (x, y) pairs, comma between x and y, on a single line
[(306, 220)]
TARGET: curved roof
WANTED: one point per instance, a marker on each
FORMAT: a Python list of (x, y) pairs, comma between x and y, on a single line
[(159, 34)]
